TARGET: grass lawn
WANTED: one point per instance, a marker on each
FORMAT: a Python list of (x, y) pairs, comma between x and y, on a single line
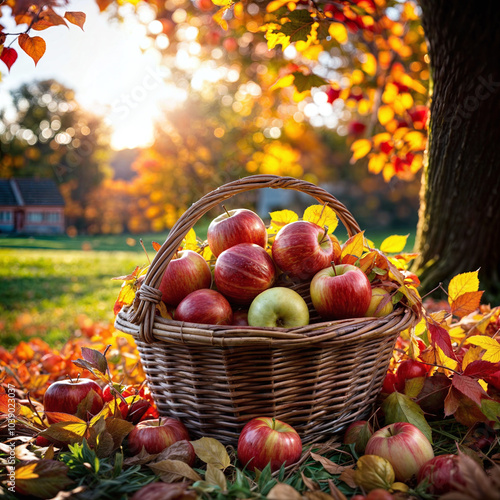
[(47, 283)]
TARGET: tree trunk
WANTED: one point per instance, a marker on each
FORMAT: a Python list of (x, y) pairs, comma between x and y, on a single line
[(459, 219)]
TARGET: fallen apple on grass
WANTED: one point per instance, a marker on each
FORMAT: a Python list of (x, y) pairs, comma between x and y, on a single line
[(358, 433), (278, 306), (442, 474), (156, 435), (404, 446), (340, 292), (65, 396), (266, 440), (234, 227)]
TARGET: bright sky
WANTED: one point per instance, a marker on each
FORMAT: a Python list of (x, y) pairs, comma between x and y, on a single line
[(108, 71)]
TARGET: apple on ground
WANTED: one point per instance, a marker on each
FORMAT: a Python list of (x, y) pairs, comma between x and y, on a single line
[(278, 306), (380, 303), (243, 271), (409, 369), (266, 440), (432, 396), (340, 292), (186, 272), (234, 227), (301, 249), (156, 435), (442, 474), (358, 433), (404, 446), (65, 396), (205, 306)]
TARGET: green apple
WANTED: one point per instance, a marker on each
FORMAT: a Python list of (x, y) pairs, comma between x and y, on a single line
[(380, 304), (280, 307)]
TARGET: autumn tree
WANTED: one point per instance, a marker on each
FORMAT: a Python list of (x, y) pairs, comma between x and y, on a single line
[(51, 136)]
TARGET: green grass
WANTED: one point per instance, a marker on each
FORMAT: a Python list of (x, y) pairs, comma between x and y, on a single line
[(43, 292), (48, 282)]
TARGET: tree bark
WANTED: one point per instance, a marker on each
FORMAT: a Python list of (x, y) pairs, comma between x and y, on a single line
[(459, 219)]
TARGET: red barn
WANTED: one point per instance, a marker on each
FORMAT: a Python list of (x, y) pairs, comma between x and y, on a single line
[(32, 206)]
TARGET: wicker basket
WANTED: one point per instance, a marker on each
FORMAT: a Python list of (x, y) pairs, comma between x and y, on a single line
[(318, 378)]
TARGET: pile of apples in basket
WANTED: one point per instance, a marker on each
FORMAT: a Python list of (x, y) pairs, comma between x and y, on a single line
[(245, 273)]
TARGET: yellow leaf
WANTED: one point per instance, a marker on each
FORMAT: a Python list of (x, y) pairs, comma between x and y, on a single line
[(218, 17), (338, 32), (369, 66), (483, 384), (462, 283), (360, 148), (278, 38), (380, 138), (189, 242), (223, 3), (212, 452), (275, 5), (394, 244), (283, 82), (385, 114), (416, 140), (491, 346), (215, 476), (322, 216), (353, 249), (26, 471), (282, 218), (472, 354), (444, 360), (377, 162)]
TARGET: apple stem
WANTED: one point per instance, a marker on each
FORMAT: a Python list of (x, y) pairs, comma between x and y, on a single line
[(225, 210), (333, 267), (324, 235), (273, 427)]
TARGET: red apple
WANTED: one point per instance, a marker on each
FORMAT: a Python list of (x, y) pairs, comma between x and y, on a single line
[(266, 440), (301, 249), (340, 292), (404, 446), (205, 306), (240, 318), (358, 433), (442, 474), (380, 303), (64, 396), (243, 271), (409, 369), (156, 435), (235, 227), (389, 385), (186, 272), (379, 494)]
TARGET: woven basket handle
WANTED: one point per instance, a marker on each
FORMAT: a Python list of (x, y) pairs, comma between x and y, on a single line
[(149, 295)]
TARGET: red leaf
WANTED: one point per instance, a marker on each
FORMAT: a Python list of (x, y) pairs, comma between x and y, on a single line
[(469, 387), (441, 338), (481, 369), (8, 56), (33, 46), (77, 18)]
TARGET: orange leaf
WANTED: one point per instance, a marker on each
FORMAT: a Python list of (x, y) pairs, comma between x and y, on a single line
[(33, 46), (466, 303), (77, 18)]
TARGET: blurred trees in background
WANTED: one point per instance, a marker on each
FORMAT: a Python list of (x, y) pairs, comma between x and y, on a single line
[(52, 136)]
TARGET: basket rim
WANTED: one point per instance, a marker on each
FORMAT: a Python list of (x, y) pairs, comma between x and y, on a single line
[(335, 332)]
